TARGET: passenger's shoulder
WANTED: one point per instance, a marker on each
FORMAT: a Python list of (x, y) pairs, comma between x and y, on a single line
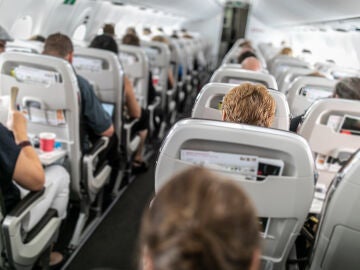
[(82, 81)]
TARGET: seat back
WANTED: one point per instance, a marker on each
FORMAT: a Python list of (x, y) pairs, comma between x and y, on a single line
[(338, 239), (281, 63), (159, 58), (237, 76), (50, 82), (182, 60), (236, 150), (207, 104), (336, 71), (103, 70), (28, 46), (290, 75), (305, 90), (136, 67), (328, 136), (268, 51)]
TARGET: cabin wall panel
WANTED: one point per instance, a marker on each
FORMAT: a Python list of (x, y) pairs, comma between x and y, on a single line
[(12, 10)]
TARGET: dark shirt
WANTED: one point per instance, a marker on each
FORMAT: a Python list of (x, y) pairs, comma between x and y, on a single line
[(94, 119), (151, 90), (295, 122), (9, 152)]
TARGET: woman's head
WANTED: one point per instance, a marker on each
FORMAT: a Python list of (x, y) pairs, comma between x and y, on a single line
[(200, 221), (286, 51), (105, 42), (348, 88), (130, 39), (250, 104)]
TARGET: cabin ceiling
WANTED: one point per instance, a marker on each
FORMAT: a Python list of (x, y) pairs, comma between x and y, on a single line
[(189, 9), (298, 12)]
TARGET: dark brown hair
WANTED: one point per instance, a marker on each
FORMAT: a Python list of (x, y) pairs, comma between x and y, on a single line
[(58, 45), (348, 88), (200, 221), (130, 39)]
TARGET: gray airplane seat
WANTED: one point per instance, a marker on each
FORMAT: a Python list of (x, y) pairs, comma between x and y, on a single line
[(274, 167), (331, 126), (237, 76), (336, 71), (20, 250), (208, 104), (103, 70), (105, 73), (49, 93), (28, 46), (232, 57), (305, 90), (290, 75), (337, 242), (136, 66), (280, 63), (268, 51), (182, 69), (159, 58)]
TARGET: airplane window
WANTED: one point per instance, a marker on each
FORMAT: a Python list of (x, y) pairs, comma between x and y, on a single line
[(80, 32), (22, 28)]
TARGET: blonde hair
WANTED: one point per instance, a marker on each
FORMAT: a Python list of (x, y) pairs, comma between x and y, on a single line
[(200, 221), (249, 104), (162, 39), (286, 51)]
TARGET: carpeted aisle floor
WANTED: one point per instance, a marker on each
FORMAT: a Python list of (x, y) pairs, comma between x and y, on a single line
[(114, 243)]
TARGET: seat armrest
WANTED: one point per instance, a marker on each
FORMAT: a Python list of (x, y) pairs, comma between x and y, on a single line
[(131, 144), (155, 104), (95, 178), (25, 252), (26, 202), (171, 93), (99, 146), (129, 125)]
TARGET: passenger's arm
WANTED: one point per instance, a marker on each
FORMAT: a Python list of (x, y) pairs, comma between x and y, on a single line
[(131, 102), (109, 132), (28, 171), (171, 79)]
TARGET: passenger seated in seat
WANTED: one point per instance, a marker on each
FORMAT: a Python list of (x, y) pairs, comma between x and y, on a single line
[(251, 63), (141, 127), (286, 51), (347, 88), (133, 40), (19, 162), (249, 104), (245, 54), (200, 221), (95, 121), (109, 29)]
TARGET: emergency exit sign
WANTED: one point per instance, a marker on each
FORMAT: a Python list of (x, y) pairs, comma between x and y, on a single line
[(69, 2)]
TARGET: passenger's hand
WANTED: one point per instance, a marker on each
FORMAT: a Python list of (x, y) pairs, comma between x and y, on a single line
[(18, 125)]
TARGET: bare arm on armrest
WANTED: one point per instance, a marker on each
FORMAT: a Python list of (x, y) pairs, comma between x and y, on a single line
[(28, 171), (171, 79), (131, 102), (109, 132)]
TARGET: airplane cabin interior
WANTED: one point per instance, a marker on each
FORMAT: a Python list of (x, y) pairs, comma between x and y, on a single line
[(109, 102)]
